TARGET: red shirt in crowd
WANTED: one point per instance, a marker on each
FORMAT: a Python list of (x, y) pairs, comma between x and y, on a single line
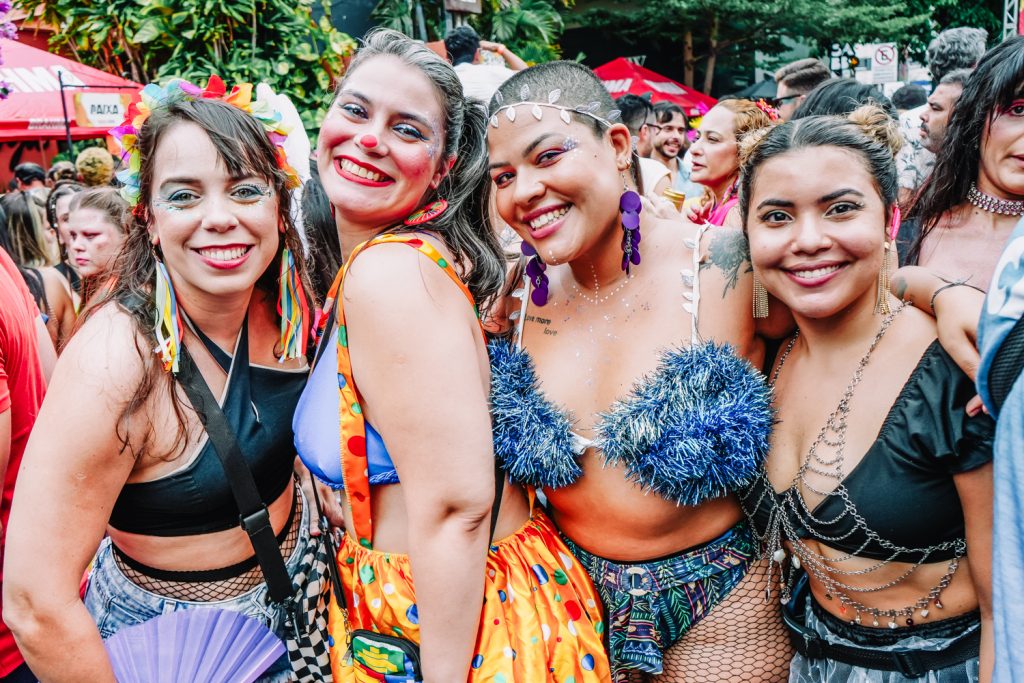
[(22, 385)]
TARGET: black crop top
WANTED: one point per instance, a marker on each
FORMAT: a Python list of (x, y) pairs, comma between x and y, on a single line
[(197, 499), (903, 487)]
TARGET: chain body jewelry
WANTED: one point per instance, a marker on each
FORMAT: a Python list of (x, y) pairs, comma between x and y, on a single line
[(791, 519), (986, 202)]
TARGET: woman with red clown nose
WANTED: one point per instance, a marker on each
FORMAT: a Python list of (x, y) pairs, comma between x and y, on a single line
[(448, 572)]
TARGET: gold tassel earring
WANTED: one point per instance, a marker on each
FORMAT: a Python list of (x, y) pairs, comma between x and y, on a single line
[(760, 299), (882, 298)]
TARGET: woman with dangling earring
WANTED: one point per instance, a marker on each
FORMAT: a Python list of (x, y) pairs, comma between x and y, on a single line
[(875, 501), (974, 197), (615, 395), (119, 458), (455, 573)]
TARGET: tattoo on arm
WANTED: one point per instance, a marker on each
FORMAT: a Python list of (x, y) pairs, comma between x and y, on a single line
[(729, 252), (901, 287)]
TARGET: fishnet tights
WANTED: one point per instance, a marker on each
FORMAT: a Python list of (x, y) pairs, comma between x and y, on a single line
[(210, 591), (742, 640)]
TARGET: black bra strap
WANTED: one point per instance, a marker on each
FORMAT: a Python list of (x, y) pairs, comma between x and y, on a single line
[(254, 517)]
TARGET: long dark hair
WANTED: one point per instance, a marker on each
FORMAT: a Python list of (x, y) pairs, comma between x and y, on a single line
[(993, 86), (243, 147), (465, 227)]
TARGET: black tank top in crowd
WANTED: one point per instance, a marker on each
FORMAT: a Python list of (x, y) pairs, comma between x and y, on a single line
[(258, 403)]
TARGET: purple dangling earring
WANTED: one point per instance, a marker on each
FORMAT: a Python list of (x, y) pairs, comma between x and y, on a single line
[(630, 207), (535, 271)]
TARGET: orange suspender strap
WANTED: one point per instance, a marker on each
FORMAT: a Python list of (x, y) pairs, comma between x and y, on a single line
[(353, 424)]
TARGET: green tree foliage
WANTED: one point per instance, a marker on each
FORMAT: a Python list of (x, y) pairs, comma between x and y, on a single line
[(711, 31), (943, 14), (530, 28), (274, 41)]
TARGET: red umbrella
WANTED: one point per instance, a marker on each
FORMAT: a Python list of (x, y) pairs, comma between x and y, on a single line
[(622, 76), (34, 112)]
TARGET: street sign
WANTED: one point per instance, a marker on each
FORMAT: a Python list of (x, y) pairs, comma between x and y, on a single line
[(467, 6), (885, 63), (100, 110)]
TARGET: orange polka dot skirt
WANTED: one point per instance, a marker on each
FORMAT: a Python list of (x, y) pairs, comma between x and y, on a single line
[(541, 618)]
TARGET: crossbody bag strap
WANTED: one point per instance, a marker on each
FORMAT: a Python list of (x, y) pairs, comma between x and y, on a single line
[(254, 516)]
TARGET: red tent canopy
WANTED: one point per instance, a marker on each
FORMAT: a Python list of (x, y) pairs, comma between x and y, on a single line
[(622, 76), (33, 111)]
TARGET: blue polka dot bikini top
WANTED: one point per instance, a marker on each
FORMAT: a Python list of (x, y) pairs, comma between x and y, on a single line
[(316, 423)]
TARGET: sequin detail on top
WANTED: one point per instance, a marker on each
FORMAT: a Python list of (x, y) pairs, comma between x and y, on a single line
[(540, 621), (352, 423)]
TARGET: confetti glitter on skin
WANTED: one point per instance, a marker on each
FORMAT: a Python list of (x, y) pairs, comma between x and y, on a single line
[(570, 144)]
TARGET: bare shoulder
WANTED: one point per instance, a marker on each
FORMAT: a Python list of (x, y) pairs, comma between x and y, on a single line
[(107, 353), (916, 325), (393, 278), (668, 236)]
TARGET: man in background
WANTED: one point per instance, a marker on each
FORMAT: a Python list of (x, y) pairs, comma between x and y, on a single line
[(671, 140), (638, 115), (935, 117), (29, 177), (954, 48), (794, 81), (479, 80)]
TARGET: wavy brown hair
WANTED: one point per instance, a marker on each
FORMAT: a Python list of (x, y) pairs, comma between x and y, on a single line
[(244, 148)]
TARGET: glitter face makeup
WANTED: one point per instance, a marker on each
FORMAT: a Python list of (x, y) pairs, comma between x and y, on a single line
[(570, 144), (217, 233)]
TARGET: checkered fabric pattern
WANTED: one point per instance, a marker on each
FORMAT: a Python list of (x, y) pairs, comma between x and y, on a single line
[(308, 652)]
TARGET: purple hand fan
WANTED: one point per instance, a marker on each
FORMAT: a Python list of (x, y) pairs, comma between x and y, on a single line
[(196, 645)]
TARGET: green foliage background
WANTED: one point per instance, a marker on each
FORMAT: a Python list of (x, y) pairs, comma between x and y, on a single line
[(530, 28), (275, 41)]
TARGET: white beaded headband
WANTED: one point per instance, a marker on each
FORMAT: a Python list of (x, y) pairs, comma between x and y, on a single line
[(537, 108)]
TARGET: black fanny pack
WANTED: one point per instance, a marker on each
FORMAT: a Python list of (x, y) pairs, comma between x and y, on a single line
[(909, 663)]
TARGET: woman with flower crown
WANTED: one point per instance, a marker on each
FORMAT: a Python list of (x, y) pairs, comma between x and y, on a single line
[(119, 458), (448, 573)]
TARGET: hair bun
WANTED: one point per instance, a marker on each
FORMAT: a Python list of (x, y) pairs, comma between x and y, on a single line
[(749, 143), (877, 125)]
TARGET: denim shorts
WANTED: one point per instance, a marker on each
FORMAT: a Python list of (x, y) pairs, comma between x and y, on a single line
[(114, 601)]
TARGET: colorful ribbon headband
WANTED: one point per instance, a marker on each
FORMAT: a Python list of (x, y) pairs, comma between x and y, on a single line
[(154, 96)]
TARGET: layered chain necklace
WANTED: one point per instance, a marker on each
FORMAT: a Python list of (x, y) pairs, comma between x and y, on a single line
[(986, 202), (792, 519)]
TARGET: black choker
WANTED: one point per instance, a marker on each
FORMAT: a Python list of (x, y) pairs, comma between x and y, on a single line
[(986, 202)]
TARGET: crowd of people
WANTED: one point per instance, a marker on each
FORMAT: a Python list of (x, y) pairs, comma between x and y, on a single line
[(506, 380)]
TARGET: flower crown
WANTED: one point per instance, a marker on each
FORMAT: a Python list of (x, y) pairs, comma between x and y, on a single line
[(154, 96)]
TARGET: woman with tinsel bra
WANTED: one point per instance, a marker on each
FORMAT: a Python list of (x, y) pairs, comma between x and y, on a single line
[(614, 396), (876, 498)]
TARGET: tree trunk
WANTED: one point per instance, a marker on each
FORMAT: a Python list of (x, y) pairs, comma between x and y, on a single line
[(709, 75), (688, 58)]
